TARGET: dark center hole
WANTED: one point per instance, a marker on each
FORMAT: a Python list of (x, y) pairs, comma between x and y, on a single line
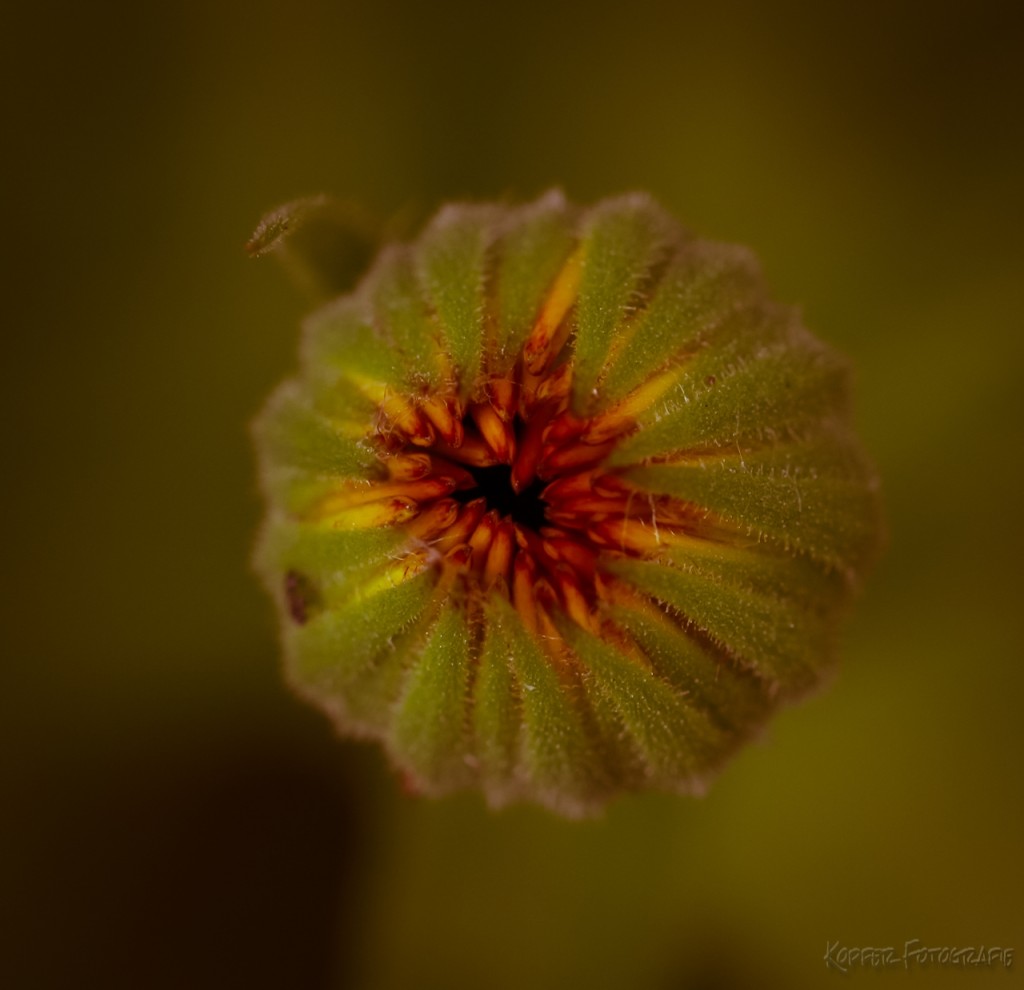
[(495, 485)]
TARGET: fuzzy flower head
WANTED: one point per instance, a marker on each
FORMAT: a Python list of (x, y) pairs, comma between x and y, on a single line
[(561, 504)]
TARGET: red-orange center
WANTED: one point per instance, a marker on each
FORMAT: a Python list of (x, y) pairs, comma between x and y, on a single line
[(515, 493)]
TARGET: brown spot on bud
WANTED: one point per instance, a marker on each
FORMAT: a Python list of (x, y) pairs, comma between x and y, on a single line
[(300, 596)]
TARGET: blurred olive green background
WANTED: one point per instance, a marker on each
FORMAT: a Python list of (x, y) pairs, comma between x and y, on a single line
[(171, 816)]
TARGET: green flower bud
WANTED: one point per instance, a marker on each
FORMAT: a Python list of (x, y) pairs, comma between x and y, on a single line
[(561, 504)]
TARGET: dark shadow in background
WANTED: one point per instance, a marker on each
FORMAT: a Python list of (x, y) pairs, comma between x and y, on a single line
[(234, 866)]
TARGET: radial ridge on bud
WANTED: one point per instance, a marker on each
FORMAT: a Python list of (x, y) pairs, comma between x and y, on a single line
[(561, 504)]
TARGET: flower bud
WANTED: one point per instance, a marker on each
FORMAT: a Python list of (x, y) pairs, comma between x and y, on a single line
[(561, 504)]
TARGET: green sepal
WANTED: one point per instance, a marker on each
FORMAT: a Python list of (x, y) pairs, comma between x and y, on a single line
[(430, 727), (764, 570), (622, 241), (293, 435), (338, 562), (497, 712), (295, 492), (532, 252), (730, 696), (671, 741), (702, 286), (371, 699), (817, 498), (559, 764), (342, 350), (333, 649), (452, 261), (774, 633), (401, 311), (765, 392)]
